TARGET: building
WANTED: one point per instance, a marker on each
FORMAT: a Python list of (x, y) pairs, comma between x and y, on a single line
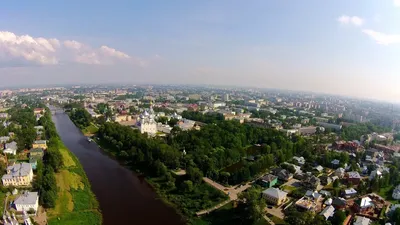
[(340, 172), (268, 180), (11, 148), (299, 160), (363, 205), (18, 175), (36, 152), (339, 203), (362, 221), (146, 123), (283, 174), (328, 212), (39, 110), (27, 201), (353, 177), (396, 193), (349, 193), (325, 180), (4, 139), (307, 130), (332, 126), (40, 144), (274, 196)]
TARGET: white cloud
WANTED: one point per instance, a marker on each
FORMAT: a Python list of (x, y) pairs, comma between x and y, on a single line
[(73, 44), (382, 38), (396, 3), (27, 50), (37, 50), (353, 20), (112, 52)]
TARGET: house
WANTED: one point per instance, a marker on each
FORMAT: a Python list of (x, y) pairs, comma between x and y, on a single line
[(339, 203), (339, 172), (353, 177), (335, 163), (40, 144), (319, 168), (36, 152), (274, 196), (268, 180), (375, 174), (396, 193), (27, 201), (18, 175), (363, 205), (362, 221), (328, 212), (349, 193), (39, 128), (38, 110), (11, 148), (33, 161), (311, 182), (4, 139), (299, 160), (325, 180), (283, 174), (309, 201)]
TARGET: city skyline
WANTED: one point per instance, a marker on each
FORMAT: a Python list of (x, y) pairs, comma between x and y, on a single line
[(335, 47)]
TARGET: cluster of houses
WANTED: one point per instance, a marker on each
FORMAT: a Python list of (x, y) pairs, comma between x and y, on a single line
[(317, 184), (19, 174)]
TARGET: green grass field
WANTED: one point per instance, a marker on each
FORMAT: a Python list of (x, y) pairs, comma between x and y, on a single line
[(91, 129), (76, 204)]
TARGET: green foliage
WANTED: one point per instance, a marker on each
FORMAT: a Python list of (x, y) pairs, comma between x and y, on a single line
[(255, 203), (81, 117), (354, 132), (205, 118), (187, 186), (338, 218)]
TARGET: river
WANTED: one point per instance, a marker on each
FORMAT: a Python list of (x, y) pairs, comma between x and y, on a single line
[(124, 197)]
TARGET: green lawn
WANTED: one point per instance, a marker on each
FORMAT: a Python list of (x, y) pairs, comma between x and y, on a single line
[(2, 199), (91, 129), (288, 188), (76, 204)]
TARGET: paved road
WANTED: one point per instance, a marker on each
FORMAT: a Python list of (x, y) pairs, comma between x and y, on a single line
[(269, 220), (232, 192)]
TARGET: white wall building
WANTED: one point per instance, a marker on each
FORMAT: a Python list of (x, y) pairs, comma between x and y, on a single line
[(27, 201), (146, 123)]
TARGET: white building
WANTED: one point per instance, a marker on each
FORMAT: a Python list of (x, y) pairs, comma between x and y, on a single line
[(11, 148), (362, 221), (27, 201), (146, 123)]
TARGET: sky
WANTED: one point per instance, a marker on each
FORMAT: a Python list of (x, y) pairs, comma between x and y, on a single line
[(332, 46)]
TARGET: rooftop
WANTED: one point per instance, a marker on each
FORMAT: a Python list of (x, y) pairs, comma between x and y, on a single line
[(27, 198), (275, 192)]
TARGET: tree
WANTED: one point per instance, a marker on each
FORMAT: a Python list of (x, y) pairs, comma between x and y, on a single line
[(336, 183), (254, 202), (338, 218), (194, 174), (187, 186), (160, 168), (396, 216)]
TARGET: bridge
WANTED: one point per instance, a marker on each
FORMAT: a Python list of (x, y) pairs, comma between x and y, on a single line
[(55, 111)]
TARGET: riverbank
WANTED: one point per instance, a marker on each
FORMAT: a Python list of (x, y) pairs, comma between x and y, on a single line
[(76, 204), (176, 191)]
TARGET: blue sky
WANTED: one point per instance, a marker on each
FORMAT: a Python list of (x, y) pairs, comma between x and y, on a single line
[(336, 46)]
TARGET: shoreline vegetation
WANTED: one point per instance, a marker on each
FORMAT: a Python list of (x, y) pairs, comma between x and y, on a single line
[(76, 204), (186, 194)]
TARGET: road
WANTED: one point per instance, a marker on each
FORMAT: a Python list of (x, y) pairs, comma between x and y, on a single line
[(232, 192)]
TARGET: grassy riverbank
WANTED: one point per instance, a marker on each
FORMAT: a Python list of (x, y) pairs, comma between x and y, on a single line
[(76, 203)]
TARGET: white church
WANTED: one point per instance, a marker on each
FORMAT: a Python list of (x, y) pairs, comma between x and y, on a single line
[(147, 123)]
